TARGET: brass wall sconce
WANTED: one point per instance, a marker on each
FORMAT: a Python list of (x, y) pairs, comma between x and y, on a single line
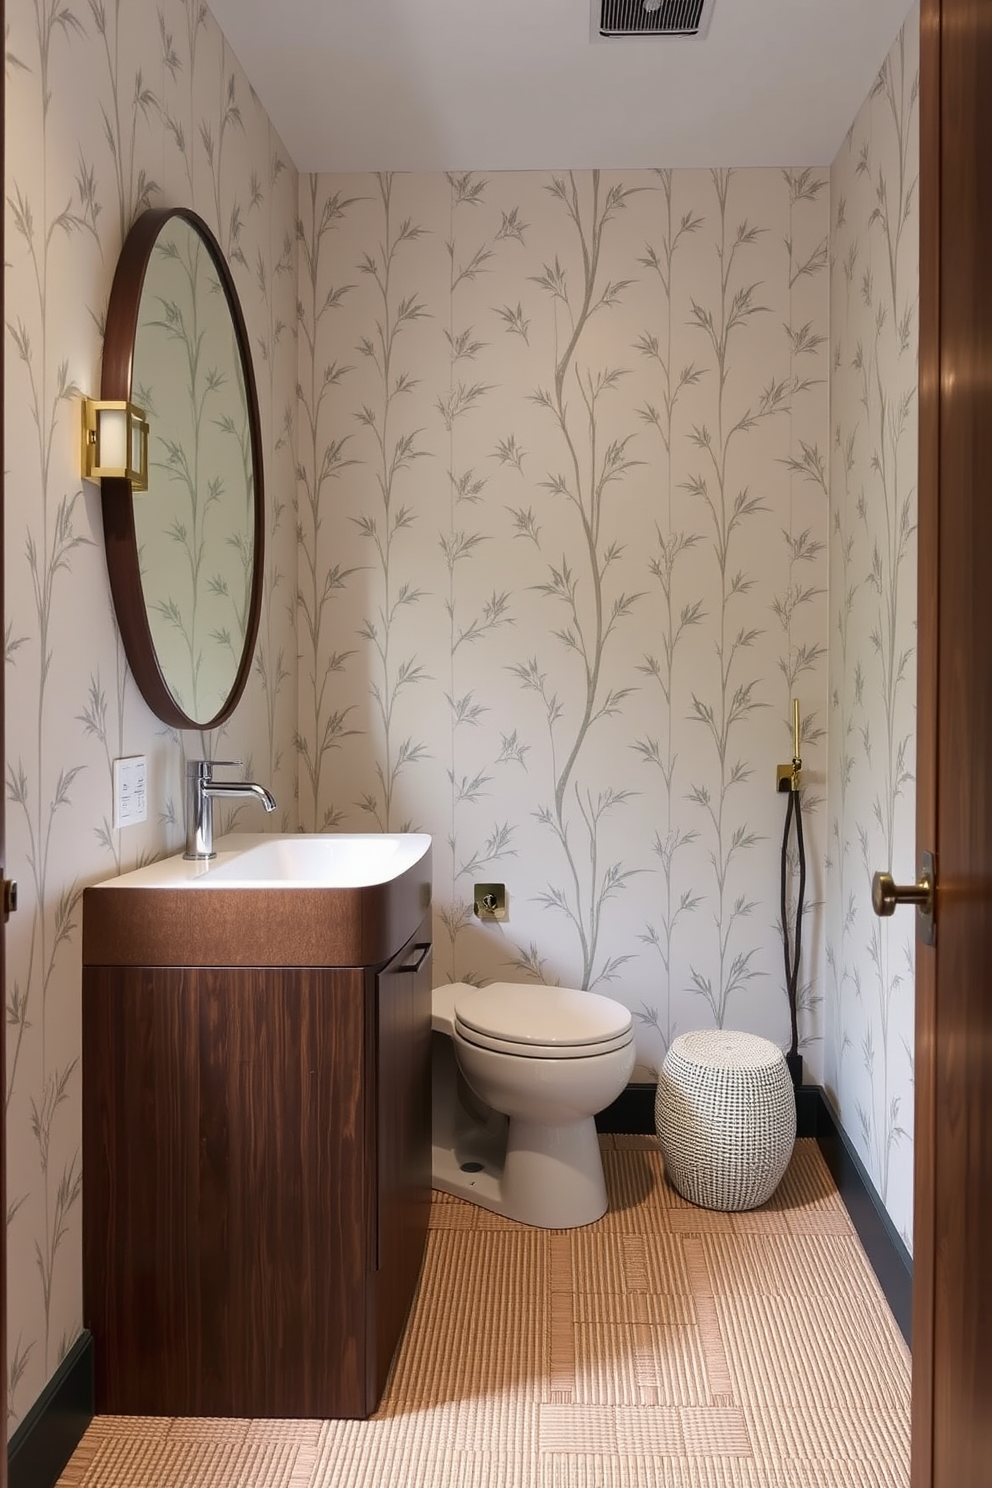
[(115, 442)]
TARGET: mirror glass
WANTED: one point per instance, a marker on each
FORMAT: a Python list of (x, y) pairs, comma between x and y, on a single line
[(195, 545)]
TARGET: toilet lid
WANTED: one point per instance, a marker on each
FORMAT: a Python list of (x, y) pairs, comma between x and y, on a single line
[(542, 1022)]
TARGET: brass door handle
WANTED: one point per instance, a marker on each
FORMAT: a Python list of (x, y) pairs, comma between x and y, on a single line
[(886, 895)]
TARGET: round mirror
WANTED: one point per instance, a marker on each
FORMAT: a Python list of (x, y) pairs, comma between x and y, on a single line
[(185, 556)]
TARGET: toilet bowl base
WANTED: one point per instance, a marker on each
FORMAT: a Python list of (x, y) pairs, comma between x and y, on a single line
[(551, 1176)]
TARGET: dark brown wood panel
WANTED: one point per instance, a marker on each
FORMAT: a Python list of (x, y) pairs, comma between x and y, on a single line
[(282, 1142), (959, 1371), (139, 1199), (224, 1140), (3, 849), (125, 926), (926, 742), (403, 1144)]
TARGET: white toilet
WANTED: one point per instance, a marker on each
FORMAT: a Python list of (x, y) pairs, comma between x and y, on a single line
[(519, 1074)]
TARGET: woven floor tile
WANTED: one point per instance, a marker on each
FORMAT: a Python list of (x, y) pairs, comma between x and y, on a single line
[(664, 1346)]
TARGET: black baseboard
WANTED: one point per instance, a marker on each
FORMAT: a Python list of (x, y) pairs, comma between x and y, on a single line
[(633, 1111), (891, 1262), (809, 1099), (50, 1432), (884, 1246)]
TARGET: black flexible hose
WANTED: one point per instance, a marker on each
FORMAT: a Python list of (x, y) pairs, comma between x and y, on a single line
[(792, 959), (785, 923)]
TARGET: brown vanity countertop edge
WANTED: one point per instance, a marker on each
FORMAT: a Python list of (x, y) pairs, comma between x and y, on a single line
[(252, 927)]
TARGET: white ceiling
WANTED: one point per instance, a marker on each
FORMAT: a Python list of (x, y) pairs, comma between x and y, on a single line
[(426, 85)]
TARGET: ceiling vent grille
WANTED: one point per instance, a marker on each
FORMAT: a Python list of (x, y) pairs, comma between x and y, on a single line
[(652, 17)]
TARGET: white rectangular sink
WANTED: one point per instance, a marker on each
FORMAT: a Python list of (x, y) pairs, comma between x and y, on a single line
[(316, 860)]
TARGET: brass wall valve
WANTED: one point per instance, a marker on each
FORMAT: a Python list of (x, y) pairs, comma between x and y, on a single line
[(789, 777), (490, 901)]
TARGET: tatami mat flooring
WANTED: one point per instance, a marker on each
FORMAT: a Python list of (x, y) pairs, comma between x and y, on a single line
[(662, 1347)]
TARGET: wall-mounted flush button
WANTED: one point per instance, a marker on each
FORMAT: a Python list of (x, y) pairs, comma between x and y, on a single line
[(490, 901)]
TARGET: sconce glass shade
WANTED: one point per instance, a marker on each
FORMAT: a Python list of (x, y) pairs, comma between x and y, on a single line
[(115, 442)]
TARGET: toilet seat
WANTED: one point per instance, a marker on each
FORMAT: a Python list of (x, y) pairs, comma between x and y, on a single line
[(541, 1022), (522, 1049)]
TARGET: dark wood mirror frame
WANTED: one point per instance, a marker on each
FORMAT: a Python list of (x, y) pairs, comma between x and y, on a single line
[(118, 509)]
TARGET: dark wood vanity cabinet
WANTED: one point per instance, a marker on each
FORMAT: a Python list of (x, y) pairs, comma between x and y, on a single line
[(256, 1167)]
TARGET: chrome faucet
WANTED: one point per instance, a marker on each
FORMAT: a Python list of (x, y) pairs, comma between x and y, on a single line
[(201, 792)]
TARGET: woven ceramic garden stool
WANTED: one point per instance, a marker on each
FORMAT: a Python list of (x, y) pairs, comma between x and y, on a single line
[(725, 1113)]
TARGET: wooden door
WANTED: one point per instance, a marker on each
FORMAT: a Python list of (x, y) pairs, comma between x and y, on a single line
[(952, 1322), (3, 862)]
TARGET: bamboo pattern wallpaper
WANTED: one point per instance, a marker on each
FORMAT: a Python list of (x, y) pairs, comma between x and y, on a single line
[(564, 521), (112, 107), (873, 472)]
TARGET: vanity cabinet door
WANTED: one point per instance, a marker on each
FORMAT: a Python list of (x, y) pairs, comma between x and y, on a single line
[(141, 1279), (281, 1186), (225, 1159), (256, 1158), (403, 1146)]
